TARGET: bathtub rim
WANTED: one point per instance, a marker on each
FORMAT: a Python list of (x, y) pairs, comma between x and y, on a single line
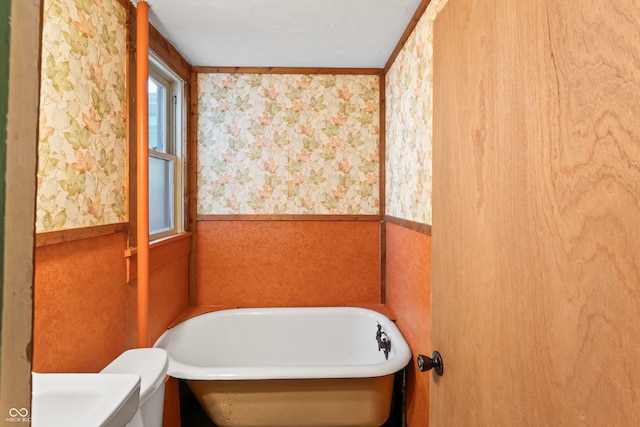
[(401, 353)]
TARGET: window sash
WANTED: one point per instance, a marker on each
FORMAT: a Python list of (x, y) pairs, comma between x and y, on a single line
[(161, 108), (166, 200), (162, 194)]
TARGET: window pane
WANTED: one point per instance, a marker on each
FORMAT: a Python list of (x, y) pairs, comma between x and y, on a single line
[(157, 116), (160, 194)]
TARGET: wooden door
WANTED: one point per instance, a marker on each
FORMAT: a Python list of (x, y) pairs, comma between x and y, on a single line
[(536, 213)]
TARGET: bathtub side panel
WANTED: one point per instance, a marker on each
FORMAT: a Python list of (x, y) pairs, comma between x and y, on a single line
[(301, 403), (288, 263)]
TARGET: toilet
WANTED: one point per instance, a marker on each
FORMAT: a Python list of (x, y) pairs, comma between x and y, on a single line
[(151, 365)]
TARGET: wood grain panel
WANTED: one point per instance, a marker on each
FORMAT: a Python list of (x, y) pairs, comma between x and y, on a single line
[(169, 55), (192, 172), (382, 133), (536, 260), (301, 217), (55, 237)]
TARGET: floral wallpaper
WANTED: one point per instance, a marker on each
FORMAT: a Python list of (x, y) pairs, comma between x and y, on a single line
[(82, 152), (409, 106), (288, 144)]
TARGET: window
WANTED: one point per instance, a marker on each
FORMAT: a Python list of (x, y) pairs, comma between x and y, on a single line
[(166, 132)]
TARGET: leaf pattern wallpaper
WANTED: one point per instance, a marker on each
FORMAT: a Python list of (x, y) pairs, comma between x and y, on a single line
[(288, 144), (409, 104), (82, 151)]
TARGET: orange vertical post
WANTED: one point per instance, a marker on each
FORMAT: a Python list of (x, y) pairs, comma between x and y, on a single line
[(142, 174)]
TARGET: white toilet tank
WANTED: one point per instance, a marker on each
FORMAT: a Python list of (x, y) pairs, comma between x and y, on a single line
[(151, 365)]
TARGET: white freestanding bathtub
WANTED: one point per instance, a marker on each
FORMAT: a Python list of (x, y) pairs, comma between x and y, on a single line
[(289, 366)]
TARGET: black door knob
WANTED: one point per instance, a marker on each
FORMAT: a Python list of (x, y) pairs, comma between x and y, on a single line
[(425, 363)]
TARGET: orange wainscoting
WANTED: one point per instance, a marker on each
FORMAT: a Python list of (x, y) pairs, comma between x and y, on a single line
[(408, 290), (288, 263), (168, 281), (169, 295), (171, 410), (82, 319), (85, 312)]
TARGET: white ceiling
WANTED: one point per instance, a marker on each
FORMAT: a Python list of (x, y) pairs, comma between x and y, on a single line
[(283, 33)]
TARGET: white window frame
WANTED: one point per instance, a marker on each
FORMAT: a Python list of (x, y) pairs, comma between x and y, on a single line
[(176, 130)]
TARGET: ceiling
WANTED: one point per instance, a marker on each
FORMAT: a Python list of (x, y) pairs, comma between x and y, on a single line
[(283, 33)]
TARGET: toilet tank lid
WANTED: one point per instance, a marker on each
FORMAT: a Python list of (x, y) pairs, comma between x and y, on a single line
[(149, 363)]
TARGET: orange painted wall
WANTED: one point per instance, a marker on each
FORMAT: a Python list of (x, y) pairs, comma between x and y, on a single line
[(288, 263), (82, 316), (168, 295), (85, 312), (408, 292)]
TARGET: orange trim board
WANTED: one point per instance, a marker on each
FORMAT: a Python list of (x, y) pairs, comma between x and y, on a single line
[(409, 224)]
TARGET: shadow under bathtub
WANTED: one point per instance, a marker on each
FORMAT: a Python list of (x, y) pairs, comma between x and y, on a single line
[(192, 414)]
